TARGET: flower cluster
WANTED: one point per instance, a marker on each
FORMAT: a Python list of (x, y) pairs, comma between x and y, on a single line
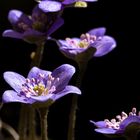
[(41, 88)]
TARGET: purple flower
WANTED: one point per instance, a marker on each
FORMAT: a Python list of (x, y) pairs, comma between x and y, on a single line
[(123, 124), (33, 29), (40, 85), (92, 40), (57, 5)]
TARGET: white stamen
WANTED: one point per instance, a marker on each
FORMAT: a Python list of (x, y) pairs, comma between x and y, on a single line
[(115, 124)]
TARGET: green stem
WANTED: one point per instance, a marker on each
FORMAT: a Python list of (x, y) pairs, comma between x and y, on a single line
[(23, 122), (23, 125), (38, 55), (74, 104), (32, 124), (43, 118)]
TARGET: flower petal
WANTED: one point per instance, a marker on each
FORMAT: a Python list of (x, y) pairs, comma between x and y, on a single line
[(106, 130), (50, 6), (16, 16), (12, 96), (57, 24), (62, 43), (42, 98), (70, 52), (15, 80), (34, 73), (98, 32), (129, 120), (67, 90), (104, 46), (64, 74), (12, 34), (99, 124)]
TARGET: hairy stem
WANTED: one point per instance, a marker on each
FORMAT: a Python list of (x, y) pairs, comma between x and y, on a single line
[(23, 122), (32, 124), (74, 104), (43, 118), (23, 125)]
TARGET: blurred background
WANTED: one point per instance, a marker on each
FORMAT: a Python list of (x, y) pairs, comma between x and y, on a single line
[(111, 82)]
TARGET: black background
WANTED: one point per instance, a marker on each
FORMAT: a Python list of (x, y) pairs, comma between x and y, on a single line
[(111, 82)]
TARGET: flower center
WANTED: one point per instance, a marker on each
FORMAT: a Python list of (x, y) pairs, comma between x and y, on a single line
[(115, 123), (85, 41), (39, 86)]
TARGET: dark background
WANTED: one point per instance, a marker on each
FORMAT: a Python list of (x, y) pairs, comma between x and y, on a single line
[(111, 83)]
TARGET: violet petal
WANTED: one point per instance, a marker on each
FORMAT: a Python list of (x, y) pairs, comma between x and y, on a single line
[(99, 124), (34, 73), (98, 32), (65, 91), (12, 34), (14, 79), (42, 98), (57, 24), (129, 120), (12, 96), (16, 16), (104, 46), (50, 6), (64, 74), (105, 130)]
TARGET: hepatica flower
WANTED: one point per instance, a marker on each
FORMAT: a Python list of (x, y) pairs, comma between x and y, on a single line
[(40, 85), (33, 29), (57, 5), (123, 124), (94, 39)]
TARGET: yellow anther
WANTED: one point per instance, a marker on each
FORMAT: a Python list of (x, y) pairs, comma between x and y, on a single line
[(40, 88), (80, 4)]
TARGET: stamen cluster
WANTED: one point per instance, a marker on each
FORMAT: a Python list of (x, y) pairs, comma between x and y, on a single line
[(115, 123), (38, 86)]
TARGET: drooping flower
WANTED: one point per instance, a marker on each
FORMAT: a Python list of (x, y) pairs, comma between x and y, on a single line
[(57, 5), (40, 85), (124, 124), (94, 42), (35, 28)]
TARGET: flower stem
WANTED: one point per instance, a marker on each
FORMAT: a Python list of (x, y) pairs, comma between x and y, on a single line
[(38, 55), (74, 104), (23, 125), (23, 122), (32, 124), (43, 118)]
